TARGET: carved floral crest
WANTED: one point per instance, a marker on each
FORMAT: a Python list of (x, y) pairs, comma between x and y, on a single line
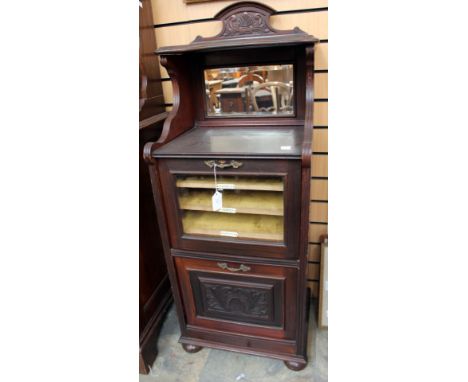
[(246, 19), (245, 23)]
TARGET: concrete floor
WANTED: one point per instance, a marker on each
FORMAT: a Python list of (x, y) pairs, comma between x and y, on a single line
[(173, 364)]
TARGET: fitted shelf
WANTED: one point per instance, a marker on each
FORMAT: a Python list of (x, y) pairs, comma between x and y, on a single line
[(261, 227), (238, 183), (247, 202)]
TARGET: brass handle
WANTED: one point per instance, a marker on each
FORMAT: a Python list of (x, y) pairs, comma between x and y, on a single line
[(223, 164), (242, 268)]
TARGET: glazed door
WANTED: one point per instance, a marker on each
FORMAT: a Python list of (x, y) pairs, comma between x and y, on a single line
[(255, 208)]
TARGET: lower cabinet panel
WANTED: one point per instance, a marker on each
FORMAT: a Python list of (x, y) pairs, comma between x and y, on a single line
[(241, 298), (276, 348)]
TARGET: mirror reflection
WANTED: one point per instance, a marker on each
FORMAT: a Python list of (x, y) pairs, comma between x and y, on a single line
[(250, 91)]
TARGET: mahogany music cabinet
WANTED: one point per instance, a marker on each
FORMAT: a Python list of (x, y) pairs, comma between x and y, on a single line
[(231, 183)]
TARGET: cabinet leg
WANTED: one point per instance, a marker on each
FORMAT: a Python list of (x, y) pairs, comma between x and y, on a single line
[(191, 348), (296, 366)]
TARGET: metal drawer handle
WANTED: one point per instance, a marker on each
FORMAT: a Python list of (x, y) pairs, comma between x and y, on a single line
[(223, 164), (242, 268)]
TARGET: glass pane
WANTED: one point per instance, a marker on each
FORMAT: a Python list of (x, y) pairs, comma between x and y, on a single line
[(262, 91), (252, 207)]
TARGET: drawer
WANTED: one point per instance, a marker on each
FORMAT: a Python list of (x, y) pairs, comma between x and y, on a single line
[(260, 211), (245, 298)]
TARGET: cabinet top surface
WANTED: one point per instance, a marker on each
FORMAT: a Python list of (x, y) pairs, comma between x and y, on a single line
[(229, 141)]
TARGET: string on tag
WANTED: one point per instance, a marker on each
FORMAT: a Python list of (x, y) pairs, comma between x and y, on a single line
[(214, 171), (217, 198)]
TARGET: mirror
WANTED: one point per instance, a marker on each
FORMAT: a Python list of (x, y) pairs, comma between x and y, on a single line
[(262, 91)]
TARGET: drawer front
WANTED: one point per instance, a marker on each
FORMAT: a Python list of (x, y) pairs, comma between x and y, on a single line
[(240, 298), (260, 210)]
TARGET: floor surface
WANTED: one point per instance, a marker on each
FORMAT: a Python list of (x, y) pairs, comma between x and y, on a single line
[(173, 364)]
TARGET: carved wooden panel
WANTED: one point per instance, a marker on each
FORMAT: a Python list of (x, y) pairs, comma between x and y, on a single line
[(238, 298), (246, 23)]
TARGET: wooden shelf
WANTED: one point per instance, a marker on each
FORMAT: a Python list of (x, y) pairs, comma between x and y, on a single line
[(239, 183), (261, 227), (247, 202)]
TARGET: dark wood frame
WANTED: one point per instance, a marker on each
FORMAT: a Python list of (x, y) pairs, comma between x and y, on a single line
[(285, 169), (221, 65), (155, 294), (237, 43)]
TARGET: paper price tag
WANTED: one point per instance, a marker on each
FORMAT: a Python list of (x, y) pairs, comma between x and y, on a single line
[(229, 233), (225, 186), (228, 210), (217, 200)]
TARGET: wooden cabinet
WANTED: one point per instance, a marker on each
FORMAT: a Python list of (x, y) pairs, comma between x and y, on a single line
[(260, 212), (155, 291), (232, 186), (154, 288)]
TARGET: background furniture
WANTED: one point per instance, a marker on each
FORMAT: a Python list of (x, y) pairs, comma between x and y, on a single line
[(155, 293), (281, 96), (239, 273), (232, 100)]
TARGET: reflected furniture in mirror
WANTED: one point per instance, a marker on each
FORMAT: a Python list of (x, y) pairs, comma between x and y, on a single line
[(250, 91), (231, 182)]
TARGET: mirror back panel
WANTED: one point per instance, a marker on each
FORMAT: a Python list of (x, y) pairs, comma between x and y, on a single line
[(253, 91)]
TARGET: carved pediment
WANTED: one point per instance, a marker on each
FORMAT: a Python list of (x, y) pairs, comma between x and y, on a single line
[(252, 20), (246, 19), (245, 24)]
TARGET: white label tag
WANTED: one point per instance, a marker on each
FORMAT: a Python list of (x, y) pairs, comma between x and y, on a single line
[(217, 200), (228, 233), (228, 210), (225, 186), (285, 147)]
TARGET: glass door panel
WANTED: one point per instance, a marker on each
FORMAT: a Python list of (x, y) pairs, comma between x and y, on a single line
[(252, 206)]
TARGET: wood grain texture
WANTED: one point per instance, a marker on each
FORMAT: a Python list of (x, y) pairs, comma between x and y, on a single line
[(248, 202), (317, 230), (321, 56), (246, 226), (321, 114), (319, 165), (314, 252), (314, 23), (319, 189), (186, 33), (321, 85), (320, 141), (318, 212), (313, 272), (178, 11)]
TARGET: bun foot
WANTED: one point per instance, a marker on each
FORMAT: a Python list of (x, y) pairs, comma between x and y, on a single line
[(191, 348), (296, 366)]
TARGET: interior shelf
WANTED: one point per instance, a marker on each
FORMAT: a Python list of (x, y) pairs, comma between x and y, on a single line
[(247, 202), (238, 183), (262, 227)]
